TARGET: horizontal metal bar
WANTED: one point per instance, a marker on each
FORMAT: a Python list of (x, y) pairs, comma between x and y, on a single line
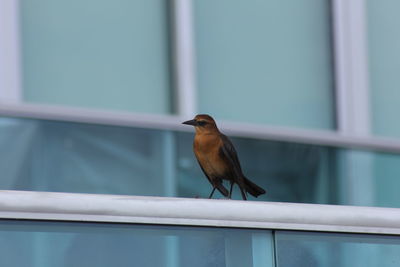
[(172, 122), (197, 212), (89, 115)]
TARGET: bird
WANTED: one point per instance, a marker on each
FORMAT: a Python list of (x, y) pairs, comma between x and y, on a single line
[(218, 159)]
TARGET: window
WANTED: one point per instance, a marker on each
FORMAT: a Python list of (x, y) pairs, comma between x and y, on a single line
[(383, 42), (88, 158), (97, 54), (266, 62)]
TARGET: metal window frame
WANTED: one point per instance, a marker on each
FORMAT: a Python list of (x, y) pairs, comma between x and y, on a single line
[(73, 207), (173, 123), (352, 98), (183, 58), (351, 67), (10, 78)]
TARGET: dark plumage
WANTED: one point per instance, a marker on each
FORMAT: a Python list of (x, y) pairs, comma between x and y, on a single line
[(218, 159)]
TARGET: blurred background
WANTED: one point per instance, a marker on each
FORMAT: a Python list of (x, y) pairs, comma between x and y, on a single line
[(93, 93)]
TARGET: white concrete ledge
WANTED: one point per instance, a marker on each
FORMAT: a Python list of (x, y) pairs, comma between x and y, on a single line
[(197, 212)]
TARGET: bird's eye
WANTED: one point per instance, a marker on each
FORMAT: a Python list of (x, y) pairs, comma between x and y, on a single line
[(201, 123)]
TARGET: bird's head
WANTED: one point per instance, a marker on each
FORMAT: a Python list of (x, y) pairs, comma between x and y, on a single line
[(203, 124)]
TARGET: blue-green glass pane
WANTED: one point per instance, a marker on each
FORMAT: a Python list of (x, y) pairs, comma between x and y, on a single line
[(266, 61), (305, 249), (73, 157), (368, 178), (96, 53), (384, 64), (386, 171), (48, 244), (45, 155)]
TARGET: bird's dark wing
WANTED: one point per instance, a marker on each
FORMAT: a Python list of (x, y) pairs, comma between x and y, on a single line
[(228, 151), (221, 188)]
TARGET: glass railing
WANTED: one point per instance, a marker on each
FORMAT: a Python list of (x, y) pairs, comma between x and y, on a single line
[(306, 249), (58, 229), (47, 244)]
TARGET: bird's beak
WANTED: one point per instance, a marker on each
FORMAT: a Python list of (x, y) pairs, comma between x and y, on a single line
[(191, 122)]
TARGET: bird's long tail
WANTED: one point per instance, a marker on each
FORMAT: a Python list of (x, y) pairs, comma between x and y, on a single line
[(252, 188)]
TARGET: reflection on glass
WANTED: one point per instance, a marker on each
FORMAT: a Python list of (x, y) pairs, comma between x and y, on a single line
[(48, 244), (74, 157), (386, 170), (305, 249)]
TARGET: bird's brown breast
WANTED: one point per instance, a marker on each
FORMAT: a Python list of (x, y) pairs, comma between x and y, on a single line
[(207, 150)]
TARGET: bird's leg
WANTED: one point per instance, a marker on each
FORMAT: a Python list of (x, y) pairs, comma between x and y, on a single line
[(212, 192), (243, 193), (230, 190)]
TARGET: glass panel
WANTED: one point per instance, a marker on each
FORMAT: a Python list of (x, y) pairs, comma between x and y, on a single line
[(266, 61), (34, 244), (304, 249), (73, 157), (96, 53), (369, 179), (383, 43), (387, 182)]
